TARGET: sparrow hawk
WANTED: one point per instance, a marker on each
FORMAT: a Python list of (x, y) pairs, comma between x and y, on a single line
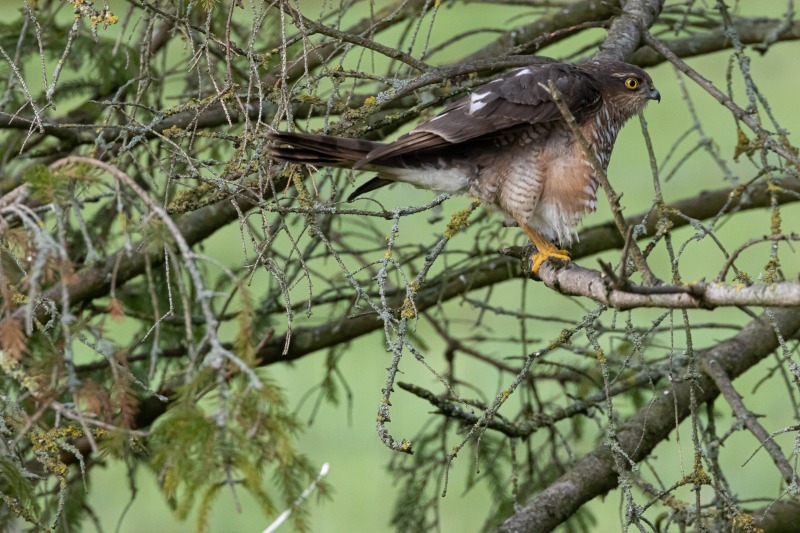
[(506, 143)]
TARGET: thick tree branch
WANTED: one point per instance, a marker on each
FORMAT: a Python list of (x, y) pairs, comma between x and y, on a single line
[(750, 31), (625, 33), (525, 39), (574, 280), (596, 474)]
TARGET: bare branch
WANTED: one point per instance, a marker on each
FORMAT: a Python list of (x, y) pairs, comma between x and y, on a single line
[(766, 137), (573, 280), (750, 31), (595, 473), (627, 29), (742, 413)]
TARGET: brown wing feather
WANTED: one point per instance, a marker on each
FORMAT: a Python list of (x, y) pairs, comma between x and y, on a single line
[(519, 98)]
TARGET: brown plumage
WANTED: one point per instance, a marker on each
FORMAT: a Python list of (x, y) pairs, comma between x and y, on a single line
[(506, 143)]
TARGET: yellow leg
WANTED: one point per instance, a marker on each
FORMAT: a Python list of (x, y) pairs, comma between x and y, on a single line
[(545, 248)]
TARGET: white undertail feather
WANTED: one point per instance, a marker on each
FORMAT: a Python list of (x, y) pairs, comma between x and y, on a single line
[(451, 180)]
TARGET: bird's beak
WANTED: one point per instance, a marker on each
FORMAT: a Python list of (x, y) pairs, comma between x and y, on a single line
[(655, 95)]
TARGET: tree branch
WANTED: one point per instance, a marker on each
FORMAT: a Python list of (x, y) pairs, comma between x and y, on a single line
[(751, 120), (625, 32), (596, 474), (750, 31), (593, 240), (742, 413), (95, 281), (524, 39), (574, 280)]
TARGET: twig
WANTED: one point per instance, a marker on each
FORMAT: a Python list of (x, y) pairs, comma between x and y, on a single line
[(595, 474), (723, 383), (742, 115)]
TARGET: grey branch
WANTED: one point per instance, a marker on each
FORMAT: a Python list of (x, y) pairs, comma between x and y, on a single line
[(743, 414), (625, 33), (574, 280), (596, 474)]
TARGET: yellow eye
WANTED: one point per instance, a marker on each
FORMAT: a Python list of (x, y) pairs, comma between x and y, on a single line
[(632, 83)]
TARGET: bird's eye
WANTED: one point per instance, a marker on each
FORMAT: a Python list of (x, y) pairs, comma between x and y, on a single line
[(632, 83)]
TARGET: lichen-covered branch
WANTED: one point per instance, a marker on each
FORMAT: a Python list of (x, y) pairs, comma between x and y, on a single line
[(574, 280), (627, 29), (595, 474), (593, 240)]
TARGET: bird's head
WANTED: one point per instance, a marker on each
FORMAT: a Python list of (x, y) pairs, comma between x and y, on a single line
[(627, 88)]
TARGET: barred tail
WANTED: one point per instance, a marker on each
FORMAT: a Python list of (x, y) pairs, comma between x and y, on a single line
[(319, 149)]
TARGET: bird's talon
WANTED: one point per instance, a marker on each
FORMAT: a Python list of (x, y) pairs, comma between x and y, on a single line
[(540, 257)]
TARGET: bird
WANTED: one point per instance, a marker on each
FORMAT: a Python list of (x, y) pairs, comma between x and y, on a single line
[(506, 143)]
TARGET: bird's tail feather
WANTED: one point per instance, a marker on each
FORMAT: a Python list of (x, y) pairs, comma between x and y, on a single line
[(313, 149)]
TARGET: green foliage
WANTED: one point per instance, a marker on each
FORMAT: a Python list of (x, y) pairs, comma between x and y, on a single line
[(46, 186), (226, 441), (17, 490)]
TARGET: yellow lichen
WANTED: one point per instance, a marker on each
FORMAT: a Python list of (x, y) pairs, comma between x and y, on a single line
[(408, 311), (562, 338), (172, 131), (48, 445), (460, 219), (601, 355)]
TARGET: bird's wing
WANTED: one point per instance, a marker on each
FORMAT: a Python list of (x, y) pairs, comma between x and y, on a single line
[(518, 98)]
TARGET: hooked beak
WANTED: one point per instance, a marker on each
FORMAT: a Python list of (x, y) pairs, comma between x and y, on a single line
[(655, 95)]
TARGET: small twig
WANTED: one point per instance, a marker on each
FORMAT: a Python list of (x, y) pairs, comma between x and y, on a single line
[(723, 383), (626, 250), (448, 408), (735, 254), (614, 280), (742, 115)]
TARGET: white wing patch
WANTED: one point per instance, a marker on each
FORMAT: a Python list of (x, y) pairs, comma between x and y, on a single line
[(475, 101)]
